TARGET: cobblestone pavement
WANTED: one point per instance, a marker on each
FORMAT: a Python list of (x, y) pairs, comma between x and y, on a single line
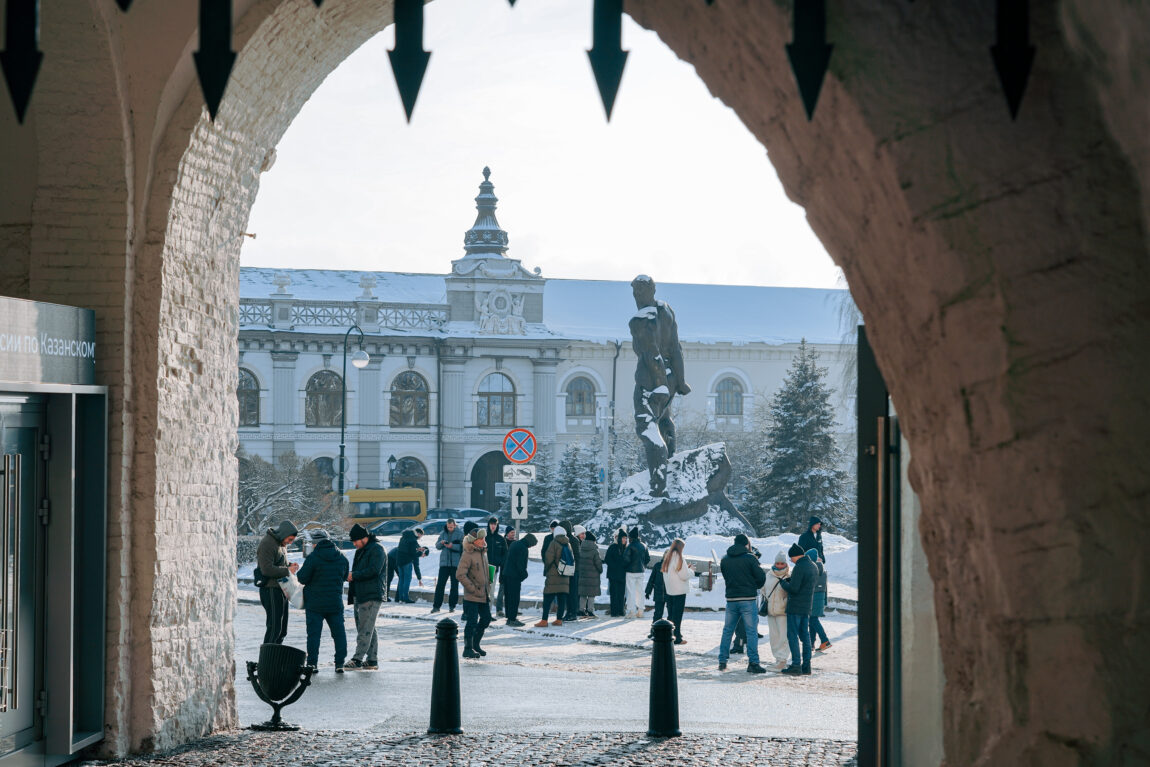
[(337, 749)]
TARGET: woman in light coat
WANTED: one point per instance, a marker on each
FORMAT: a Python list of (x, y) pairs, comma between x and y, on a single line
[(776, 600), (676, 578)]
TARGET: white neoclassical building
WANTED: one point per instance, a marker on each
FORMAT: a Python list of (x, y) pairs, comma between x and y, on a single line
[(458, 359)]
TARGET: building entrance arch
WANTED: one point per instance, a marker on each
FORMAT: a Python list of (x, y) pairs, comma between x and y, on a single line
[(485, 475), (1000, 265)]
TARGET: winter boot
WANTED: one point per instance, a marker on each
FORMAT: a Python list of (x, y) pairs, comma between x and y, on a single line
[(468, 647), (475, 642)]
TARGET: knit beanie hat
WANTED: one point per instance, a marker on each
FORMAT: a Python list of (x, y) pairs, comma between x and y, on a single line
[(579, 529), (741, 540), (357, 531), (480, 533), (780, 558), (634, 534), (469, 526), (813, 555), (795, 550), (318, 535)]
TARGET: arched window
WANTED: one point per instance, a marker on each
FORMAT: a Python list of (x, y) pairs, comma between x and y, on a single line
[(410, 472), (729, 397), (496, 406), (409, 400), (580, 397), (325, 467), (248, 393), (324, 402)]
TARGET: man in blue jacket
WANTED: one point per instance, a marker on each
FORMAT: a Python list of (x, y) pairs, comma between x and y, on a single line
[(322, 575), (365, 593), (800, 588), (742, 577)]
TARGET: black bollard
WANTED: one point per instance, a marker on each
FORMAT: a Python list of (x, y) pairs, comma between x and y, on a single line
[(664, 711), (445, 681)]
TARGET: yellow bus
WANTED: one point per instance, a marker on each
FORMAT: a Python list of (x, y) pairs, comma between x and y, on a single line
[(382, 510)]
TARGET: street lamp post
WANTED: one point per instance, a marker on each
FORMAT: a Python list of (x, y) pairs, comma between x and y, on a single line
[(359, 360), (391, 470)]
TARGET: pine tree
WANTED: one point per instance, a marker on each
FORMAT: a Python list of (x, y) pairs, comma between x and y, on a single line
[(579, 474), (802, 477), (544, 500)]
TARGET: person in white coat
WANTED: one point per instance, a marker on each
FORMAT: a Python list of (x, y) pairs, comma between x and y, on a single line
[(676, 578), (776, 601)]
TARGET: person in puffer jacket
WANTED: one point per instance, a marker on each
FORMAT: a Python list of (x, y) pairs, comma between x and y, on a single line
[(776, 598), (271, 565), (556, 586), (323, 575), (818, 605), (475, 577)]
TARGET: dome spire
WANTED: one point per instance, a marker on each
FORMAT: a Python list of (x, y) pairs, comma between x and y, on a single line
[(485, 238)]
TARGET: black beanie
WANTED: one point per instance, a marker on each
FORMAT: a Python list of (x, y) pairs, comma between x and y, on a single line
[(468, 526), (741, 540), (796, 551), (357, 531), (634, 534)]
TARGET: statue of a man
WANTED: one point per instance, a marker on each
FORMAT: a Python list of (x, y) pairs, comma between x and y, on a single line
[(658, 378)]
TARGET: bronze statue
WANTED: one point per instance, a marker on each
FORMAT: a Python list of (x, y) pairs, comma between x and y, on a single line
[(658, 378)]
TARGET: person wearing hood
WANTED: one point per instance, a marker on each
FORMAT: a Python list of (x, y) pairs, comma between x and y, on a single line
[(813, 538), (573, 595), (514, 573), (743, 577), (556, 585), (450, 545), (474, 574), (818, 605), (496, 555), (590, 568), (776, 600), (271, 565), (637, 559), (365, 594), (800, 588), (323, 575), (616, 562)]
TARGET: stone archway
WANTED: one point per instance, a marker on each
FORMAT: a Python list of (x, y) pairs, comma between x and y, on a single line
[(485, 474), (1001, 267)]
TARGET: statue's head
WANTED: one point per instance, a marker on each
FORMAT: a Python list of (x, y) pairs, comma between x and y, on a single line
[(643, 288)]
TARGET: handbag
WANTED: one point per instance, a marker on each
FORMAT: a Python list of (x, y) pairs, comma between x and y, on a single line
[(765, 607), (293, 591)]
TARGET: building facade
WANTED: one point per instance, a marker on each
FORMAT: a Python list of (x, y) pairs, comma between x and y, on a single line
[(457, 360)]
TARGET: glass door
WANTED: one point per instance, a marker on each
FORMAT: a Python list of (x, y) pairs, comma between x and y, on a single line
[(22, 426)]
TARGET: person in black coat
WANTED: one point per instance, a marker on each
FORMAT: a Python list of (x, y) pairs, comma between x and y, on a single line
[(742, 579), (657, 590), (800, 588), (813, 538), (365, 594), (407, 555), (513, 574), (616, 561), (323, 575), (496, 554), (575, 536), (637, 559)]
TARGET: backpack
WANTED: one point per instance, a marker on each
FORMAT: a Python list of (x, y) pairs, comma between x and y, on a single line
[(566, 563)]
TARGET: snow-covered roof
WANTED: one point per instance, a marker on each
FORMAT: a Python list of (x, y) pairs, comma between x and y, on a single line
[(598, 310)]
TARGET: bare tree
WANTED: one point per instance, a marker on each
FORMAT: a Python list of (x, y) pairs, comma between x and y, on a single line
[(290, 489)]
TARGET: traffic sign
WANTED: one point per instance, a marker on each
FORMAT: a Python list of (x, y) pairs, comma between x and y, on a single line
[(519, 501), (519, 472), (519, 445)]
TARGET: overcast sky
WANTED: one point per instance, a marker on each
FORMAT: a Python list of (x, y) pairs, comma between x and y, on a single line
[(674, 186)]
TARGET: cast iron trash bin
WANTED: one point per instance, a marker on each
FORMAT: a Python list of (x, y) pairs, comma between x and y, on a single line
[(279, 678)]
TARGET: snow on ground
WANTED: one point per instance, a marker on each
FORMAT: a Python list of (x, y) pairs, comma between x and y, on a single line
[(841, 553)]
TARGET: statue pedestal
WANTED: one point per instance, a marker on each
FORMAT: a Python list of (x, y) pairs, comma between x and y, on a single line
[(696, 501)]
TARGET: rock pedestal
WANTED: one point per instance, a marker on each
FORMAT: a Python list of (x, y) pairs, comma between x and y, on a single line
[(696, 502)]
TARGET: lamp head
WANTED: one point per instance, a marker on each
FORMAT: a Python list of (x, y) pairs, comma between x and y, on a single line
[(391, 462), (360, 359)]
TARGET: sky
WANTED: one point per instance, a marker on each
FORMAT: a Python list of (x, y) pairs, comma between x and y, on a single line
[(673, 186)]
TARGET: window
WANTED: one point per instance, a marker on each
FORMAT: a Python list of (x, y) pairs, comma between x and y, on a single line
[(324, 403), (248, 393), (409, 400), (496, 406), (580, 397), (729, 397), (410, 472), (325, 467)]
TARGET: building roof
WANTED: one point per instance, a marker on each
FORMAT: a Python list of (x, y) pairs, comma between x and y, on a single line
[(598, 310)]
